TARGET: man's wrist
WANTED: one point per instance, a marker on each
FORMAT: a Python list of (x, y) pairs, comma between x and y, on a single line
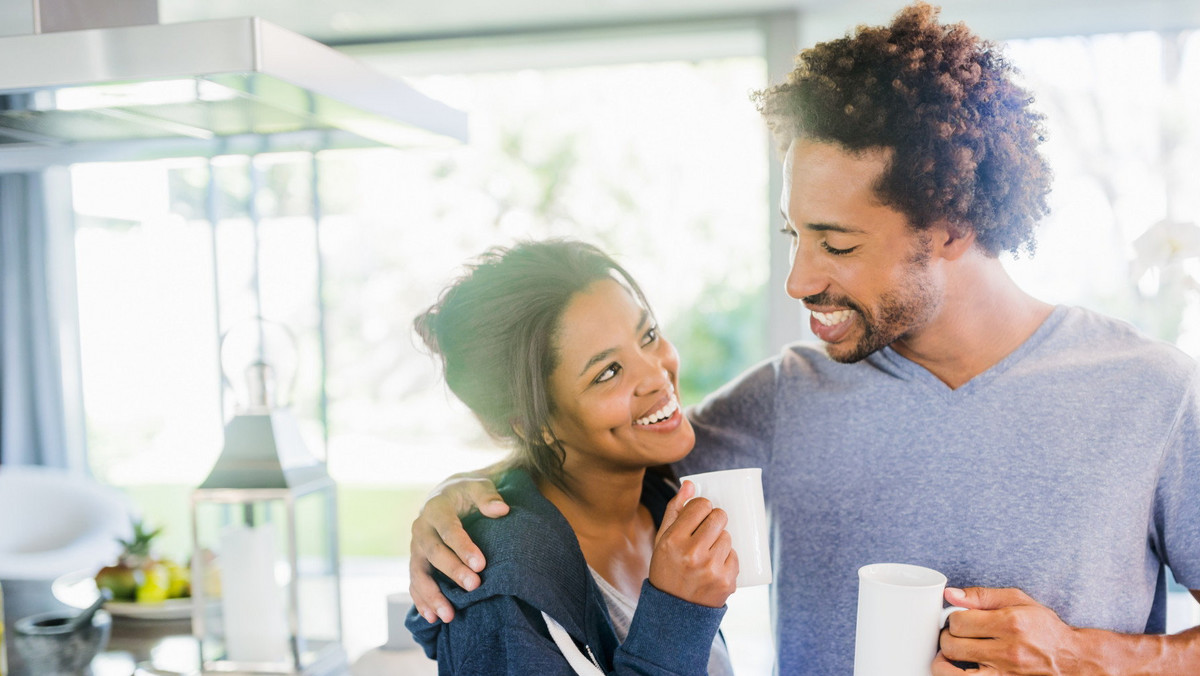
[(1106, 653)]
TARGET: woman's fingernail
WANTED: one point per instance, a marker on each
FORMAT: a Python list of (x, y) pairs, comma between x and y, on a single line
[(475, 563), (955, 594)]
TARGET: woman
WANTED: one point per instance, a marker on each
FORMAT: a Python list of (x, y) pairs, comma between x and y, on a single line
[(596, 569)]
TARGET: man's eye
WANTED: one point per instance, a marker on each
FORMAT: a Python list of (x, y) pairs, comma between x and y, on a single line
[(836, 251), (608, 373), (790, 232)]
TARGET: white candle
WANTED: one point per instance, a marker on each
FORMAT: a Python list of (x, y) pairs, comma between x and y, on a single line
[(251, 601)]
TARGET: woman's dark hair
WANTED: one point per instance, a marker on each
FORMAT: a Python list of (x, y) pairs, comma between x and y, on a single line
[(495, 329), (963, 134)]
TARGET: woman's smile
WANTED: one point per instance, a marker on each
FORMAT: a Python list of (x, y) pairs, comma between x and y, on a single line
[(664, 418), (615, 388)]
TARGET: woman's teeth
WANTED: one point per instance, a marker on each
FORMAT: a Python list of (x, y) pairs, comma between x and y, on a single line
[(661, 414), (831, 318)]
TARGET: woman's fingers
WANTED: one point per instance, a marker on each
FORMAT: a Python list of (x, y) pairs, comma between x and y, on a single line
[(686, 491)]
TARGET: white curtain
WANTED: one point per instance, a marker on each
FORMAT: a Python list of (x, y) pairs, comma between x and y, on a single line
[(33, 429)]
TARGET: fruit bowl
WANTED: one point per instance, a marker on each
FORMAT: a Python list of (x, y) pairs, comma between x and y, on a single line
[(78, 589)]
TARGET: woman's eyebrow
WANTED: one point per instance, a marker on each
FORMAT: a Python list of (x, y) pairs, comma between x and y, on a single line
[(601, 356)]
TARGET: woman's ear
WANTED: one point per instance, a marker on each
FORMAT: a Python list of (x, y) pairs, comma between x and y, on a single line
[(548, 437)]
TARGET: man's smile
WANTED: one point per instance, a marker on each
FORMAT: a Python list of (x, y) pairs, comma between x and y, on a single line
[(832, 318)]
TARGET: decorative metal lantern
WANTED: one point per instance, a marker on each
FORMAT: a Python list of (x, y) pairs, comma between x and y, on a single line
[(265, 573)]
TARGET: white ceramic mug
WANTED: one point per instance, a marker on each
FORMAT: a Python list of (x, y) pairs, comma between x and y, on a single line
[(900, 616), (739, 492)]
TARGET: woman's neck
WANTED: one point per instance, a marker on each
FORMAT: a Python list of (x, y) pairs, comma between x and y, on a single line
[(603, 501), (615, 531)]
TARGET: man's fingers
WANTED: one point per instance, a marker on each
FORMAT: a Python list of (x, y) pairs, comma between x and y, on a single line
[(434, 548), (448, 562), (464, 549), (963, 649), (944, 667), (447, 529), (986, 598), (482, 495), (426, 595)]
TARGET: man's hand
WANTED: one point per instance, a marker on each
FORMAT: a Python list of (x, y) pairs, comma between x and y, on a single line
[(693, 553), (1007, 633), (439, 541)]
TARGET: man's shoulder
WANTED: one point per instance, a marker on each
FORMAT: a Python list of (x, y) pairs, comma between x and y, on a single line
[(1089, 347), (803, 361), (1088, 336)]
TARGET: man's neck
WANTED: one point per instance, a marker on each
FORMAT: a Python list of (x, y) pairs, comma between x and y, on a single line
[(984, 317)]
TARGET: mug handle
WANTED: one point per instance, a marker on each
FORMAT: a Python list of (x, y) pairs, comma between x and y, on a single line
[(947, 612)]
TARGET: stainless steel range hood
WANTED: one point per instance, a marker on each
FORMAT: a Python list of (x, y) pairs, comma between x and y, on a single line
[(69, 81)]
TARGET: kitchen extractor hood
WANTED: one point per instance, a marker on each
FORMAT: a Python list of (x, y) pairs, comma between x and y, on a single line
[(71, 77)]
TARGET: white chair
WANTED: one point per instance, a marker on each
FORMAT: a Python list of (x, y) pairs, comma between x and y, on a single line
[(53, 522)]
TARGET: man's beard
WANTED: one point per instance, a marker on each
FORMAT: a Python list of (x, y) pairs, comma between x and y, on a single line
[(897, 314)]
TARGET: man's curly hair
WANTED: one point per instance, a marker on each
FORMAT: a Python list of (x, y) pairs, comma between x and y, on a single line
[(964, 136)]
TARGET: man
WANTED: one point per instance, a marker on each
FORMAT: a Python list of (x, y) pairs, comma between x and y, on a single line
[(1046, 459)]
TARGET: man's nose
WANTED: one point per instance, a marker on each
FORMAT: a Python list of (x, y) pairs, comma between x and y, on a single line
[(805, 278)]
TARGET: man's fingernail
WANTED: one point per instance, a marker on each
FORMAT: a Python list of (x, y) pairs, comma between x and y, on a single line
[(955, 594), (467, 583), (429, 617), (475, 563)]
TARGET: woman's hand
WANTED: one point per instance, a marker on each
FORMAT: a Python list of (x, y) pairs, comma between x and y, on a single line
[(439, 541), (693, 553)]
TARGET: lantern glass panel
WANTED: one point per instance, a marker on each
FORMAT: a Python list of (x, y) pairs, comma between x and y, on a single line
[(245, 569), (317, 571)]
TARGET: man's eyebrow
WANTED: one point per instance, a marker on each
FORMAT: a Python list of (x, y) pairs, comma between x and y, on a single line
[(832, 227), (823, 227), (601, 356)]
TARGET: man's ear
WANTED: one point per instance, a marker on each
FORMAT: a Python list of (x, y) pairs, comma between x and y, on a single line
[(952, 240)]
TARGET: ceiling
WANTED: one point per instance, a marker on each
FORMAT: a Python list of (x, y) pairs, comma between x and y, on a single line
[(355, 21)]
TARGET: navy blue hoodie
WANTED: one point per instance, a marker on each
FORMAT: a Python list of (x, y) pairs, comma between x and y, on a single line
[(535, 565)]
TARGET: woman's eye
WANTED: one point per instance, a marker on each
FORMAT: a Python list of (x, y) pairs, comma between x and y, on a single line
[(789, 231), (608, 373), (835, 251), (651, 335)]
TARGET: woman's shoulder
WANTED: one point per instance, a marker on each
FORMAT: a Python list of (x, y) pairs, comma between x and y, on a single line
[(532, 521), (531, 553), (485, 637)]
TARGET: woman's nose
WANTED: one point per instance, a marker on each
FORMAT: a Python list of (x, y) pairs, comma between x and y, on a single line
[(654, 375)]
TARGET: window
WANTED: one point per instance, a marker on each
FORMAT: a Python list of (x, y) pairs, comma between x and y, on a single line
[(662, 161), (664, 164), (1123, 126)]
